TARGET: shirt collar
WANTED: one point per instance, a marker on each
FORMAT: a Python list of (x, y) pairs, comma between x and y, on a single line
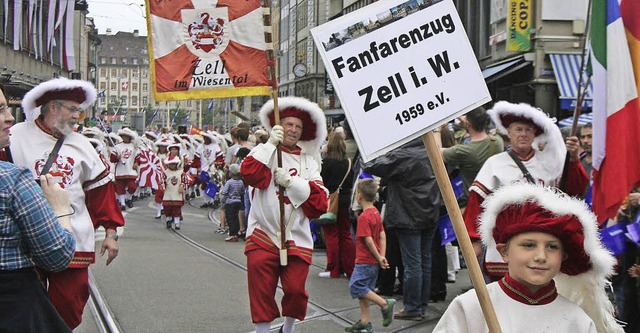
[(40, 123), (520, 293)]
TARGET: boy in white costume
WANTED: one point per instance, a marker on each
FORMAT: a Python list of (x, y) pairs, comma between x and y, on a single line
[(126, 155), (173, 198), (557, 267)]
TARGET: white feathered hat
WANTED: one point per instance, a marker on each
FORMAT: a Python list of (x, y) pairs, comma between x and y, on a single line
[(60, 88), (96, 132), (524, 207), (128, 132), (314, 124), (548, 141)]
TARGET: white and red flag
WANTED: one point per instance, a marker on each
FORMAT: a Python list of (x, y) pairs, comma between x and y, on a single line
[(151, 170), (207, 49), (615, 55)]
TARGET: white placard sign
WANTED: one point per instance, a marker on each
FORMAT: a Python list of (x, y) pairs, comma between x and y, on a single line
[(400, 68)]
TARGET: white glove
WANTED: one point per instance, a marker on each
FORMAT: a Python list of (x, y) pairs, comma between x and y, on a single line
[(282, 177), (277, 135)]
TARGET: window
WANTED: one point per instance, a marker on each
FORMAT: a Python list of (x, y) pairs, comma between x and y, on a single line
[(134, 100), (124, 61), (125, 72), (103, 86), (144, 100), (114, 86), (103, 60), (301, 15), (123, 100), (145, 73), (113, 60), (134, 73), (134, 87), (134, 61), (113, 99), (114, 72), (103, 72), (103, 100), (145, 87)]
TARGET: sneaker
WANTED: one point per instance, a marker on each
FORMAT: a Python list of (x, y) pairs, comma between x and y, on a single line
[(198, 192), (169, 223), (359, 327), (325, 274), (129, 203), (231, 239), (123, 208), (177, 227), (220, 231), (387, 312), (408, 316), (158, 217)]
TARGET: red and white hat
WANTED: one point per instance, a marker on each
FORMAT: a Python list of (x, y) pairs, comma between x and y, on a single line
[(60, 88), (128, 132), (314, 124), (151, 135), (524, 207), (548, 141), (163, 142), (171, 160)]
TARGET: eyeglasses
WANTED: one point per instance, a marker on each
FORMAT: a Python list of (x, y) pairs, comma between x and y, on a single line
[(73, 109)]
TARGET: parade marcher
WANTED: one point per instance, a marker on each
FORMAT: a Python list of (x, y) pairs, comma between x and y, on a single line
[(537, 156), (209, 156), (412, 210), (299, 135), (370, 252), (557, 267), (125, 156), (162, 153), (52, 109), (173, 198), (586, 143)]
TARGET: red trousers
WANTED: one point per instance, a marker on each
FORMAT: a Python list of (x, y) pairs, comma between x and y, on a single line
[(159, 195), (340, 248), (68, 291), (128, 185), (263, 272), (172, 211)]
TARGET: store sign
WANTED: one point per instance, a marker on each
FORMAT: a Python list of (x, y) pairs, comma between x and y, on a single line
[(519, 25)]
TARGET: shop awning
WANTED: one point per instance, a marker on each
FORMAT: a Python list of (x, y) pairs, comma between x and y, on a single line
[(584, 118), (567, 70), (495, 72)]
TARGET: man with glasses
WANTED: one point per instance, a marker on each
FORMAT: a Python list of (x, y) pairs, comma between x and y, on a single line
[(47, 141)]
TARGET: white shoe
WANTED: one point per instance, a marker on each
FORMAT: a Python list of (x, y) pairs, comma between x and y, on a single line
[(325, 274)]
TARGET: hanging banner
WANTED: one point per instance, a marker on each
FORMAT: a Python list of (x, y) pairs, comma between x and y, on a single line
[(400, 68), (204, 49), (519, 25)]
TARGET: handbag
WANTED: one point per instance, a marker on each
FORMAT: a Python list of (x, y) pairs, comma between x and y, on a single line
[(332, 205)]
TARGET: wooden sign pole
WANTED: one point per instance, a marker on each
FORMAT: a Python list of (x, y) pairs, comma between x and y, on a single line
[(461, 232), (271, 73)]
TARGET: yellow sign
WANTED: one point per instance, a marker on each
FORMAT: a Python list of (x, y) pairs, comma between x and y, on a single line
[(519, 25)]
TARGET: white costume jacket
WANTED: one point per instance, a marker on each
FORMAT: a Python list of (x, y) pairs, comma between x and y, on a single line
[(306, 198), (125, 156), (81, 172)]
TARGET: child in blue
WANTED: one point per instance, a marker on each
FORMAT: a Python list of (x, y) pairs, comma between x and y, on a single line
[(233, 192), (370, 252)]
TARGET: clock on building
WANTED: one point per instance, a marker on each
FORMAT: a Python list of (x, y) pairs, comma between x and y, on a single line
[(300, 70)]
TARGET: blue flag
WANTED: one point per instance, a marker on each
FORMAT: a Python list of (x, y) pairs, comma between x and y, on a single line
[(210, 107), (154, 114), (186, 119)]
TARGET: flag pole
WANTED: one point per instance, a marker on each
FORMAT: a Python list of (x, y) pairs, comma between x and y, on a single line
[(435, 157), (579, 99), (271, 73)]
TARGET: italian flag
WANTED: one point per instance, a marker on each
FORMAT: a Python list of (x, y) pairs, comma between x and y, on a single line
[(615, 57)]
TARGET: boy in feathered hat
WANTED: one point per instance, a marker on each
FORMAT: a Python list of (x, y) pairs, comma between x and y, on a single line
[(53, 108), (173, 198), (537, 145), (126, 156), (557, 266), (302, 128)]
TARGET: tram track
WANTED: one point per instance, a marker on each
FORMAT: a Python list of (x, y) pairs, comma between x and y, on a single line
[(324, 312), (100, 310)]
